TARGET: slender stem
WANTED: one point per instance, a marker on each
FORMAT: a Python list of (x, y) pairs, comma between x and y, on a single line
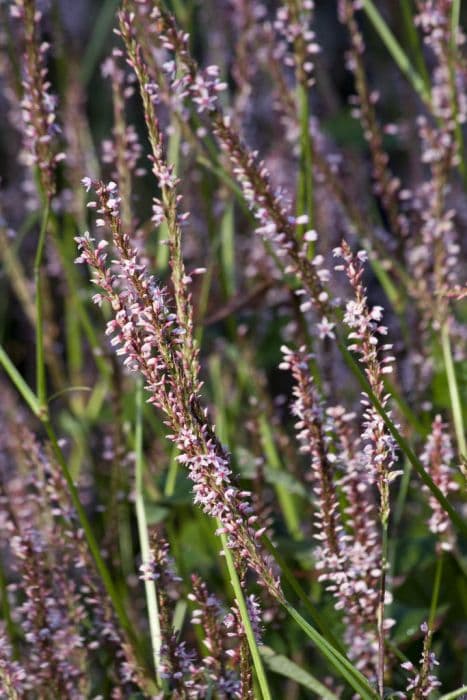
[(314, 613), (149, 586), (380, 612), (305, 181), (453, 391), (414, 41), (41, 386), (396, 50), (355, 679), (254, 651), (398, 511), (455, 16), (286, 500), (436, 589), (172, 474), (454, 694), (18, 381)]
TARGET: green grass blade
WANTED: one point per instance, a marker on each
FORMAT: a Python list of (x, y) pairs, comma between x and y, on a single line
[(342, 665), (102, 28), (454, 694), (252, 644), (149, 586), (283, 666), (454, 395), (285, 498), (18, 381), (396, 50), (41, 386)]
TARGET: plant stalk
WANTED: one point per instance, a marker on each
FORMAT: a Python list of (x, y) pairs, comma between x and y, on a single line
[(41, 385), (149, 586), (254, 651)]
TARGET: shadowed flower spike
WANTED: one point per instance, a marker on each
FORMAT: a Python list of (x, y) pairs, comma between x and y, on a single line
[(437, 458), (38, 104)]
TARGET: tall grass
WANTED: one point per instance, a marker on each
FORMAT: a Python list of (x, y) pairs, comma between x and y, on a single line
[(242, 475)]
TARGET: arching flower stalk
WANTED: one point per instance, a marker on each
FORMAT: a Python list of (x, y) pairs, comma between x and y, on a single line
[(149, 337)]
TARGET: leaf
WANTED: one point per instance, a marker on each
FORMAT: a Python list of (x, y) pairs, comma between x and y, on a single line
[(340, 662), (289, 669), (156, 514)]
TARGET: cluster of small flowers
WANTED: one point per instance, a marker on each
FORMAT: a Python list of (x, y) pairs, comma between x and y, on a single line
[(181, 669), (151, 340), (206, 88), (433, 256), (125, 144), (38, 104), (437, 458), (386, 185), (51, 612), (64, 617), (362, 540), (380, 448), (423, 682), (255, 615), (349, 557), (13, 676), (276, 224), (220, 663), (203, 86), (160, 566), (178, 665), (293, 21), (434, 19)]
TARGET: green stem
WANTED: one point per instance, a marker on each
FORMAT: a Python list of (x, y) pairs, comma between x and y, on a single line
[(453, 391), (41, 386), (436, 589), (398, 511), (254, 651), (18, 381), (344, 667), (414, 41), (396, 50), (454, 694), (305, 179), (315, 615), (149, 586), (286, 500), (455, 16), (380, 612), (171, 480)]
